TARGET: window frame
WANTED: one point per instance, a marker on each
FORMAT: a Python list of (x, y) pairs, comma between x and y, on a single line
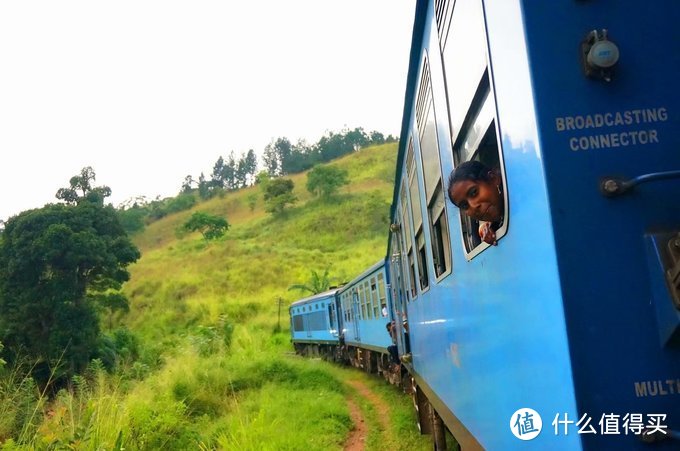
[(480, 113)]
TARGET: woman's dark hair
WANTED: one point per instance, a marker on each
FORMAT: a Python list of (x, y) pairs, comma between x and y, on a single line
[(470, 170)]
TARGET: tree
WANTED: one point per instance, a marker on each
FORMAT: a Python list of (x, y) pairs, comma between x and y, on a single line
[(217, 179), (377, 137), (203, 187), (317, 283), (187, 185), (83, 183), (356, 138), (302, 157), (325, 181), (271, 160), (210, 226), (58, 265), (247, 165), (278, 193)]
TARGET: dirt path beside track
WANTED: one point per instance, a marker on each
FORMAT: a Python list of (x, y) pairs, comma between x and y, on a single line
[(357, 438)]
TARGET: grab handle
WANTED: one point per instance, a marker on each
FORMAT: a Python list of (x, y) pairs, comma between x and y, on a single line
[(615, 186)]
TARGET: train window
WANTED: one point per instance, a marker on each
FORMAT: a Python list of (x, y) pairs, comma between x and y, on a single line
[(298, 324), (414, 193), (463, 43), (422, 262), (472, 104), (367, 294), (408, 245), (369, 307), (343, 306), (432, 175), (441, 248), (331, 316), (374, 296), (360, 301), (381, 290)]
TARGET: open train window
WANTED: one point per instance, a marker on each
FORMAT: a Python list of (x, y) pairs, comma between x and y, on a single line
[(374, 296), (331, 316), (472, 106), (432, 176)]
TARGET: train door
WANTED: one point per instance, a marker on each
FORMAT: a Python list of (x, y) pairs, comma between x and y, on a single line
[(399, 289), (305, 322), (332, 319), (355, 309)]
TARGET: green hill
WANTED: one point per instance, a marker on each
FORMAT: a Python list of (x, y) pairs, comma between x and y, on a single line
[(183, 282), (204, 360)]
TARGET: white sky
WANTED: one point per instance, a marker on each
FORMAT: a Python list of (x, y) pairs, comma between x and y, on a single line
[(147, 92)]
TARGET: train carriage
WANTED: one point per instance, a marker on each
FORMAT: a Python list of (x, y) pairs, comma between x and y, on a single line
[(565, 334), (366, 307), (574, 313), (315, 326)]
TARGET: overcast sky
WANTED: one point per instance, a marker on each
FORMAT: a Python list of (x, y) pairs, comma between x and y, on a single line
[(147, 92)]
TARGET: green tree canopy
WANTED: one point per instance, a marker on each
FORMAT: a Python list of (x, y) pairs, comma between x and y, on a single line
[(325, 181), (81, 188), (278, 193), (58, 264), (210, 226)]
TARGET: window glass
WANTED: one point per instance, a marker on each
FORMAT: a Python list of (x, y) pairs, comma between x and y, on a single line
[(369, 300), (465, 58), (432, 176), (441, 245), (408, 245), (381, 289), (414, 193), (374, 298), (362, 301), (422, 261)]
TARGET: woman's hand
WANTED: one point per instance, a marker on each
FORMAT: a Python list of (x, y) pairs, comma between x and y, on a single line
[(487, 234)]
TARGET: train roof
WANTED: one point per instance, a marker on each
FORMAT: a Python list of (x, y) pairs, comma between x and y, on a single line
[(315, 297), (368, 271)]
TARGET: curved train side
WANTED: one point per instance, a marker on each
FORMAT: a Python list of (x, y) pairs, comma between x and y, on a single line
[(575, 314)]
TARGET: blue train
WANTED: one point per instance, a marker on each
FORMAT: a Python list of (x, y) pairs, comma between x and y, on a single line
[(564, 331)]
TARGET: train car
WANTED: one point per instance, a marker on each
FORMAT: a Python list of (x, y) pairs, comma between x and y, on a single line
[(566, 333), (366, 307), (315, 325)]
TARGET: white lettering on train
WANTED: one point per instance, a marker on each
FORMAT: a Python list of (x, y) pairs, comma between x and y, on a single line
[(631, 138), (665, 387), (616, 118), (627, 118)]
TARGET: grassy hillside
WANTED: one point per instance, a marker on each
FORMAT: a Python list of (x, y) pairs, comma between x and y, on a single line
[(205, 365), (182, 282)]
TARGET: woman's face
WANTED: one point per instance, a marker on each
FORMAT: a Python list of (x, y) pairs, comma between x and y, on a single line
[(479, 199)]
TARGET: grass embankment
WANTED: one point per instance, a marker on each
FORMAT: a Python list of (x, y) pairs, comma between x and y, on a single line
[(208, 366)]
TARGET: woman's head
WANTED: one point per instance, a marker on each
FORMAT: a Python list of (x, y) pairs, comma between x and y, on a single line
[(476, 190)]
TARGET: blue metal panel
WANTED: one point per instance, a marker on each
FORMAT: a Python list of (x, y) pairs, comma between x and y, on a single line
[(620, 365), (490, 338)]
